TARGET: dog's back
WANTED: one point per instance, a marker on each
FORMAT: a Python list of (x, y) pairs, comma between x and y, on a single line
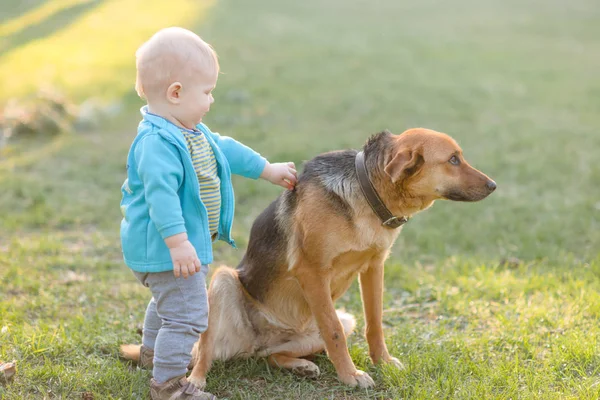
[(267, 258)]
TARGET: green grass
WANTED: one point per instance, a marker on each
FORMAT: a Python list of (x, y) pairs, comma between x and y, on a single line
[(85, 47), (516, 83)]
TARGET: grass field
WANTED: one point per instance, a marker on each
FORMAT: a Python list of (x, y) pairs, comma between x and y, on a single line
[(515, 82)]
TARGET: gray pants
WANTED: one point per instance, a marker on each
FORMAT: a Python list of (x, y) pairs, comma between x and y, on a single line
[(175, 318)]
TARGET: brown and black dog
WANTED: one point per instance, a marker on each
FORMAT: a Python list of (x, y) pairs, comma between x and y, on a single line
[(307, 247)]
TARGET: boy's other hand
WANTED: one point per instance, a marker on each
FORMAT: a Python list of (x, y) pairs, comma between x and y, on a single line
[(282, 174), (183, 254)]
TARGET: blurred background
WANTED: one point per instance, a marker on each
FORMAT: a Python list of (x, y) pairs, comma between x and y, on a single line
[(515, 82)]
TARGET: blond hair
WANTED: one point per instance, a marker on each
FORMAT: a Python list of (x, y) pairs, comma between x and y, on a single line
[(172, 55)]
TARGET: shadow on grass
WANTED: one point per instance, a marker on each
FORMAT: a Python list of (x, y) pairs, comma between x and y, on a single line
[(47, 26), (15, 8)]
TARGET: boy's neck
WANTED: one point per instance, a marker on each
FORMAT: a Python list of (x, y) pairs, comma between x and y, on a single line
[(164, 112)]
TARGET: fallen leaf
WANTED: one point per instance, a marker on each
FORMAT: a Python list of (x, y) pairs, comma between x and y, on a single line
[(71, 276), (7, 371)]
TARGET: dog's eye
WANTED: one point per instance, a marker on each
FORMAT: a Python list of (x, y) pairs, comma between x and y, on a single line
[(454, 160)]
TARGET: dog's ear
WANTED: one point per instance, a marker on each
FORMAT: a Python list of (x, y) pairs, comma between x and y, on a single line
[(404, 164)]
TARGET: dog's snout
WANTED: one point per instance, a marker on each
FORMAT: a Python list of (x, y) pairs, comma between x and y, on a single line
[(491, 185)]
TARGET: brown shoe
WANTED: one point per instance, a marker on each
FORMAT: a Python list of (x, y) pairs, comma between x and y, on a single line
[(142, 355), (146, 357), (177, 388)]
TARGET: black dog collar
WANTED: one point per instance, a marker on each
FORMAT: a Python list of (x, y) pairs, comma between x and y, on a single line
[(386, 217)]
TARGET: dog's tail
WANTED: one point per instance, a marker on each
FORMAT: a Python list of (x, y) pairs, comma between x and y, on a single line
[(130, 352), (347, 320)]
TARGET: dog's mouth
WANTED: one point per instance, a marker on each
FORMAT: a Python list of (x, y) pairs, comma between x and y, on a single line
[(461, 196), (469, 195)]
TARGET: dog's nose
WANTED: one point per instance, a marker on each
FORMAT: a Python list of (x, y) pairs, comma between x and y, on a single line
[(491, 185)]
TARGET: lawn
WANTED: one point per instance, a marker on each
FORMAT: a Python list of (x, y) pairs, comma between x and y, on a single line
[(494, 300)]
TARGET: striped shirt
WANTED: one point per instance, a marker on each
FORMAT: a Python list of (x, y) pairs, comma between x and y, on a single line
[(205, 165)]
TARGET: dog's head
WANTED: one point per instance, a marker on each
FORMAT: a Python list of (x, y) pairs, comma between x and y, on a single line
[(430, 165)]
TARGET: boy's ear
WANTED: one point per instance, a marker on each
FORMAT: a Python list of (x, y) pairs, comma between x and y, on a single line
[(173, 92)]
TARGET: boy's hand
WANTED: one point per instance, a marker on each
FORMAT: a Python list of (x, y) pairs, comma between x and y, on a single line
[(282, 174), (184, 257)]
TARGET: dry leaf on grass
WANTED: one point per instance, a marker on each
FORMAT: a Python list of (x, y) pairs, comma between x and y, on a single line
[(7, 371), (71, 276)]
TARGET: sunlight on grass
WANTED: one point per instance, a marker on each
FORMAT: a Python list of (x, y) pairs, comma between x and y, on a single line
[(37, 15), (94, 56)]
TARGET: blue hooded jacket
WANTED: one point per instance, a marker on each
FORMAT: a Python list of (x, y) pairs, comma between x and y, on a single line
[(161, 195)]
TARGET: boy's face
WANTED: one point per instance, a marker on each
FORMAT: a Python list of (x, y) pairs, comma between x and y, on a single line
[(195, 98)]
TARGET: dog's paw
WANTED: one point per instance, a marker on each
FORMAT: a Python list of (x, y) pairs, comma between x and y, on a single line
[(199, 382), (394, 362), (307, 370), (359, 378)]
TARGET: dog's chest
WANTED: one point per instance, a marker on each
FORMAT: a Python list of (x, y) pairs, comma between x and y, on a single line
[(370, 244), (370, 234), (346, 267)]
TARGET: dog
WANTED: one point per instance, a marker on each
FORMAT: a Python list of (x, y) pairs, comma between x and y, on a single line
[(308, 246)]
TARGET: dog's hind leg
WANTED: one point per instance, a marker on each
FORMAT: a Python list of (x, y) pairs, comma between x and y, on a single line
[(287, 355), (297, 366), (228, 334), (202, 355)]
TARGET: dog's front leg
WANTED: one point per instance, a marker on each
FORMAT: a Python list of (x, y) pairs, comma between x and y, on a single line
[(317, 291), (371, 289)]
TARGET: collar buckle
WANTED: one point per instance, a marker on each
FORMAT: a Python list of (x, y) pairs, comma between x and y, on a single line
[(395, 222)]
